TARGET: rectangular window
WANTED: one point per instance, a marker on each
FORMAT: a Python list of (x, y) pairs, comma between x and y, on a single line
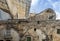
[(58, 31), (28, 38)]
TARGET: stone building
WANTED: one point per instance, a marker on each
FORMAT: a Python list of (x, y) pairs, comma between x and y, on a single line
[(19, 9), (39, 27), (47, 14)]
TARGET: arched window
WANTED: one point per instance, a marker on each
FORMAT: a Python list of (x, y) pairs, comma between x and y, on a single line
[(4, 15)]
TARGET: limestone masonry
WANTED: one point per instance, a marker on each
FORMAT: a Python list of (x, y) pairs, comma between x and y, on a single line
[(16, 24)]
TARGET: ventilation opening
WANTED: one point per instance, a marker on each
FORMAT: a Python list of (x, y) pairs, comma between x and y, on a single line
[(38, 22), (34, 29)]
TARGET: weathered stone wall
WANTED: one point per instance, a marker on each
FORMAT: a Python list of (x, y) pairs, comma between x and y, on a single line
[(46, 27), (19, 8), (47, 14), (39, 27), (43, 29)]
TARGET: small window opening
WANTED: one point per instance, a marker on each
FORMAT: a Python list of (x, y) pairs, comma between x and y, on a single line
[(34, 29), (49, 11), (28, 38), (38, 22), (58, 31), (51, 17)]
